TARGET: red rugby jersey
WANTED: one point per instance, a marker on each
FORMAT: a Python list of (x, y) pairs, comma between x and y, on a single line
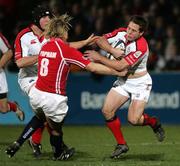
[(54, 65)]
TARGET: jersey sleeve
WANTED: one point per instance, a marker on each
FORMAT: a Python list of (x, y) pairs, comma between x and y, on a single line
[(73, 56), (111, 37), (4, 44), (134, 57), (21, 47)]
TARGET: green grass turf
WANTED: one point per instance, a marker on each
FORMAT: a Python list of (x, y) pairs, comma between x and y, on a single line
[(94, 144)]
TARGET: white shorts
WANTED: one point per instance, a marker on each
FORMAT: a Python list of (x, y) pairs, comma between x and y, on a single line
[(27, 83), (53, 105), (135, 88), (3, 82)]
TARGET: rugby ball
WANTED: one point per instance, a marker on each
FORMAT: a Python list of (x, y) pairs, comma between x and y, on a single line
[(117, 44)]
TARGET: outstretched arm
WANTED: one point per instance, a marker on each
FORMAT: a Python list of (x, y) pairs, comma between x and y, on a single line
[(104, 70), (79, 44)]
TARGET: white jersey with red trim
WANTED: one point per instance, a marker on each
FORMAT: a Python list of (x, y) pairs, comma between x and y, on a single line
[(4, 45), (28, 44), (54, 63), (136, 52)]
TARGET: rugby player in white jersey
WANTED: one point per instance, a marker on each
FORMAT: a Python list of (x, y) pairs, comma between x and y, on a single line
[(136, 85), (5, 105)]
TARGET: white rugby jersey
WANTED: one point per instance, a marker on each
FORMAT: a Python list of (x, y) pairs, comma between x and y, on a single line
[(4, 45), (27, 44), (136, 52)]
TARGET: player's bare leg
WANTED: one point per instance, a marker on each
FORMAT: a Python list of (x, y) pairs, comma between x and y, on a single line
[(137, 117), (112, 102)]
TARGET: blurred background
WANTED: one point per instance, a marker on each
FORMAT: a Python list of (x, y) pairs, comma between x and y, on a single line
[(100, 17)]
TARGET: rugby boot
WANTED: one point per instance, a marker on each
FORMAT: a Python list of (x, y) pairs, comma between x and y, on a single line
[(119, 150)]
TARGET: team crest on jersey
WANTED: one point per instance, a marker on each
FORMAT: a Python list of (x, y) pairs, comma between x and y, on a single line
[(128, 50), (33, 41), (137, 54)]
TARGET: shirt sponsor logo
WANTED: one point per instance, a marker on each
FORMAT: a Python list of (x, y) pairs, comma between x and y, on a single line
[(137, 54)]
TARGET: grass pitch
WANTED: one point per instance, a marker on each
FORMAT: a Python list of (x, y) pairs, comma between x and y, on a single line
[(94, 144)]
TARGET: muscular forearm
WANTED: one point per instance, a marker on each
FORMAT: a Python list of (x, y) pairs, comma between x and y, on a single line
[(119, 65), (5, 58), (103, 44), (78, 44), (27, 61), (104, 70)]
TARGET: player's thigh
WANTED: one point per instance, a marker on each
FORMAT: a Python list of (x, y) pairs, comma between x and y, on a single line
[(53, 105), (3, 83), (3, 104), (136, 109), (113, 101)]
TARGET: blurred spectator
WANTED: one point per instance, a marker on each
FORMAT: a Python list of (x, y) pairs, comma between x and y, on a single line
[(99, 17)]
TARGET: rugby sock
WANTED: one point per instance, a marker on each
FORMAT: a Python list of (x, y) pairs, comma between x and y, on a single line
[(115, 126), (55, 142), (37, 135), (151, 121), (12, 106), (29, 129)]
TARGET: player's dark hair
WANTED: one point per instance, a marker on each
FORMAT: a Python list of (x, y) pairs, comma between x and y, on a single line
[(141, 21), (39, 12)]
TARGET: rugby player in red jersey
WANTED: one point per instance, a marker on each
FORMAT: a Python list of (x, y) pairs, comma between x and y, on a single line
[(48, 95)]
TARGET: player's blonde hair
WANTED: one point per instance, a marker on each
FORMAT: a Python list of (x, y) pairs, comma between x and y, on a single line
[(58, 26)]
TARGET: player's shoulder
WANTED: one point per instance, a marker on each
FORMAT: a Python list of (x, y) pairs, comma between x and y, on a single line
[(121, 29), (142, 43), (1, 35), (116, 32), (23, 32)]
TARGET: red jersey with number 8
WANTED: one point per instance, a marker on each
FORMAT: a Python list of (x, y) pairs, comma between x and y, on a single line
[(54, 65)]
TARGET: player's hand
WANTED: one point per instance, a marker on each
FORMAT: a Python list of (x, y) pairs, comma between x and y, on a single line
[(91, 40), (103, 44), (92, 55), (117, 52)]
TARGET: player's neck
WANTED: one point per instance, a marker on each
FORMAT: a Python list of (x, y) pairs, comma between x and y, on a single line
[(36, 30)]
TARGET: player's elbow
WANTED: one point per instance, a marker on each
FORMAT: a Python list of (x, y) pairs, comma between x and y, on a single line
[(19, 63), (91, 67)]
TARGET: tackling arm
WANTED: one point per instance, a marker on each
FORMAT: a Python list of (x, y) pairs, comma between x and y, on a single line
[(79, 44), (102, 69)]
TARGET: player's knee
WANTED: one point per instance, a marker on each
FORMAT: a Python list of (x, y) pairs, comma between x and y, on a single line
[(108, 114), (55, 132), (133, 120), (55, 127), (40, 114), (3, 109)]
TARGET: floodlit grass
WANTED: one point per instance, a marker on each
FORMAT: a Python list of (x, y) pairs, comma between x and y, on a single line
[(93, 146)]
